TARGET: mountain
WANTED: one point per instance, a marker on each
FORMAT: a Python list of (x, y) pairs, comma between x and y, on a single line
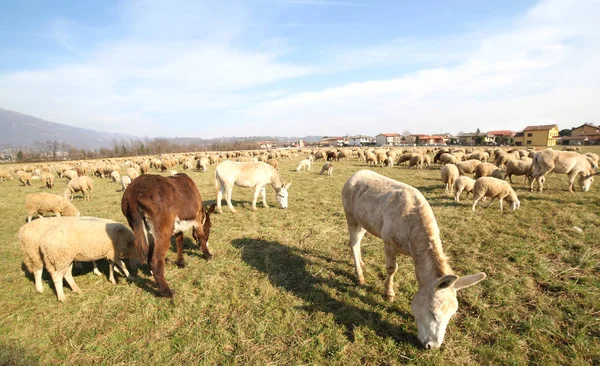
[(21, 130)]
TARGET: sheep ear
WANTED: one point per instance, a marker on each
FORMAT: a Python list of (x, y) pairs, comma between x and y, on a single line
[(467, 281), (444, 282), (288, 185)]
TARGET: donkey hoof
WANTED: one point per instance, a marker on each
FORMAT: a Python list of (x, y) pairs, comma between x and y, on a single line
[(166, 293), (208, 256), (180, 264), (390, 298)]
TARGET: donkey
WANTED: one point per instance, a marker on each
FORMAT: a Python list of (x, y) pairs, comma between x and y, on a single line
[(566, 162), (400, 215), (249, 175), (157, 208)]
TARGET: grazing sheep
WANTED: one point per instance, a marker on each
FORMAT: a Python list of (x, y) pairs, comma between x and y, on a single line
[(47, 202), (571, 163), (24, 178), (125, 182), (47, 179), (494, 188), (29, 241), (446, 158), (304, 165), (461, 184), (275, 164), (487, 170), (416, 160), (370, 158), (449, 175), (467, 166), (84, 239), (400, 215), (82, 184), (115, 176), (327, 167), (144, 167), (70, 175), (4, 175), (133, 173), (426, 160), (519, 167), (203, 163)]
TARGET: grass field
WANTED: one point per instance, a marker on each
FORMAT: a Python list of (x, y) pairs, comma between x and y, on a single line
[(282, 290)]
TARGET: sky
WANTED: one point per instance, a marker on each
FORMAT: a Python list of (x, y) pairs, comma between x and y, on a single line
[(301, 67)]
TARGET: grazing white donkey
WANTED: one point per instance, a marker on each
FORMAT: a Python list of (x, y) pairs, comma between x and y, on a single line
[(400, 215), (249, 175), (569, 162)]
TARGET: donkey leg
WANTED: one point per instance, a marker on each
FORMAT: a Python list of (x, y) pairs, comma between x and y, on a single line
[(263, 192), (391, 267), (356, 234), (255, 198), (179, 241), (157, 264), (220, 198), (228, 192)]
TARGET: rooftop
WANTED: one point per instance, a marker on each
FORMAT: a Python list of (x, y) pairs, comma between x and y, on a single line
[(540, 127)]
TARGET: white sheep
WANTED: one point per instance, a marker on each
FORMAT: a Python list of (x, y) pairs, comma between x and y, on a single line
[(115, 176), (125, 182), (494, 188), (461, 184), (48, 179), (449, 175), (82, 184), (304, 165), (24, 177), (519, 167), (84, 239), (133, 173), (4, 175), (47, 202)]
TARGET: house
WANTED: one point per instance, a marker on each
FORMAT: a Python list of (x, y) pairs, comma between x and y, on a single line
[(361, 140), (586, 134), (388, 139), (333, 141), (542, 135), (266, 144), (502, 137), (439, 139), (476, 138)]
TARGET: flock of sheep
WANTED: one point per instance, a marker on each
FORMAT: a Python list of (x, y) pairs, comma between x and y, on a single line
[(56, 243)]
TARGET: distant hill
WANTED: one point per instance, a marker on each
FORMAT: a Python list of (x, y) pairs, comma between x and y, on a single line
[(21, 130)]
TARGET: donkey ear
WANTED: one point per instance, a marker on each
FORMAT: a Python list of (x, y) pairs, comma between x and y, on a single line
[(469, 280), (288, 185), (211, 209), (444, 282)]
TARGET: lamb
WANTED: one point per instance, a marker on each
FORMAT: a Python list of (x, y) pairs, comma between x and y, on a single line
[(48, 179), (47, 202), (4, 175), (115, 176), (461, 184), (304, 165), (24, 178), (449, 175), (488, 170), (467, 166), (400, 215), (82, 184), (494, 188), (125, 182), (84, 239), (327, 167), (519, 167)]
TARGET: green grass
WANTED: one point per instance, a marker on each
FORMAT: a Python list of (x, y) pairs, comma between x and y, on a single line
[(281, 288)]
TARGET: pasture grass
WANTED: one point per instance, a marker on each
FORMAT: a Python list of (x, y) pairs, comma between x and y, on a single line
[(282, 290)]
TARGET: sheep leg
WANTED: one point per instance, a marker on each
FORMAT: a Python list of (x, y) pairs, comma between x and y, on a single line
[(96, 271), (57, 278), (68, 275), (111, 272), (391, 267), (179, 242), (123, 267), (501, 200), (263, 191), (37, 274), (490, 203), (457, 195), (475, 202), (356, 234)]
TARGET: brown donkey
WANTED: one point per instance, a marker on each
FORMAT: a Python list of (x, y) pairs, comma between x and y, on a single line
[(157, 208)]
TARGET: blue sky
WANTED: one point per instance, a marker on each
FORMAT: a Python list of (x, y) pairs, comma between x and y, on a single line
[(300, 67)]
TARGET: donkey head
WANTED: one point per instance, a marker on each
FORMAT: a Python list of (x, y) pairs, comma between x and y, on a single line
[(433, 306), (282, 195)]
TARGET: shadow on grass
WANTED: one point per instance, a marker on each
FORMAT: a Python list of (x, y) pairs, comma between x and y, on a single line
[(287, 268)]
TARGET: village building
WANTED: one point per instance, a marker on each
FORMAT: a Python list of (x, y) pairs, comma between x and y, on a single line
[(542, 135), (361, 140), (388, 139)]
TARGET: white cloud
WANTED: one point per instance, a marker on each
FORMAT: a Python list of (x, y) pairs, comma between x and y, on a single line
[(182, 61)]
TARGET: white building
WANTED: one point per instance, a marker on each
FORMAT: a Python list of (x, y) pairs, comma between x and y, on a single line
[(360, 140), (388, 139)]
